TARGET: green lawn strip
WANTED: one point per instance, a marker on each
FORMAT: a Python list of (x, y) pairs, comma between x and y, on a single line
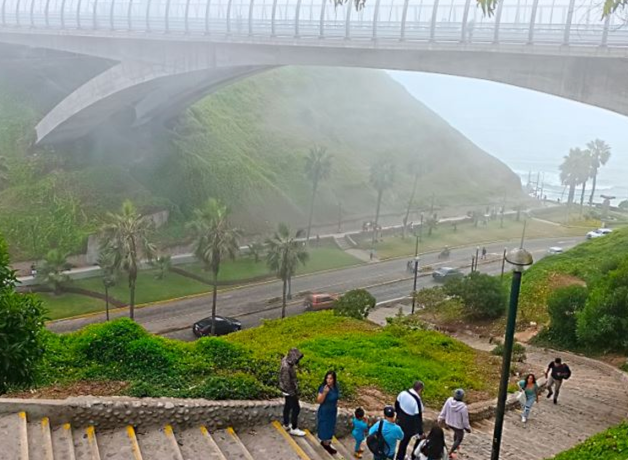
[(148, 288), (466, 234), (611, 444), (366, 355), (67, 305)]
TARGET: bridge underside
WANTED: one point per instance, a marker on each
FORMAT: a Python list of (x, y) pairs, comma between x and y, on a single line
[(158, 78)]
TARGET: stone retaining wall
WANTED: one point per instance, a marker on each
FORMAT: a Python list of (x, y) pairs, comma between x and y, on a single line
[(118, 411)]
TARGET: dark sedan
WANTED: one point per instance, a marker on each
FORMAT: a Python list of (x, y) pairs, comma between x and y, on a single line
[(446, 273), (224, 326)]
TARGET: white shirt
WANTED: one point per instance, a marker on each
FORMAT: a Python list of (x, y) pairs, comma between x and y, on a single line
[(408, 404)]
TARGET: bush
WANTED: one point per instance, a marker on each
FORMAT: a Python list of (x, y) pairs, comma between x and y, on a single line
[(355, 304), (150, 359), (563, 305), (21, 329), (222, 354), (484, 296), (108, 342), (518, 352), (611, 444)]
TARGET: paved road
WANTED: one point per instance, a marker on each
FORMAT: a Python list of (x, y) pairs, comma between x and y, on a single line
[(385, 280)]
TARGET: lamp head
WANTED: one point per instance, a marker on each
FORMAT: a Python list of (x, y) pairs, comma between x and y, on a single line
[(519, 258)]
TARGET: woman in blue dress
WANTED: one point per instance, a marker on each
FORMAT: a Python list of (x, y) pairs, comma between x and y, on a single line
[(327, 411)]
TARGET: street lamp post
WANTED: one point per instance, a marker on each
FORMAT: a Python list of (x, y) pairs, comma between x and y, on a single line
[(519, 258), (416, 266), (421, 229), (504, 262), (477, 257)]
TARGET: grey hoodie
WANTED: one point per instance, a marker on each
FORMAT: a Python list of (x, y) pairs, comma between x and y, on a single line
[(288, 373), (455, 414)]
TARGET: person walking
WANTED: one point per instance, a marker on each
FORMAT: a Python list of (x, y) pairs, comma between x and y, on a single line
[(391, 432), (360, 429), (409, 408), (433, 447), (531, 390), (556, 372), (289, 386), (455, 416), (483, 253), (327, 413)]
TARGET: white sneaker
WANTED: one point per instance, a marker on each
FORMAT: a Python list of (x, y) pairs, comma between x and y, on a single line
[(287, 427), (296, 432), (523, 419)]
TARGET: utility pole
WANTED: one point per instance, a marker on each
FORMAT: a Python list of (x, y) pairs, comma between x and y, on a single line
[(421, 229), (501, 223), (339, 217), (432, 205), (477, 257), (504, 262)]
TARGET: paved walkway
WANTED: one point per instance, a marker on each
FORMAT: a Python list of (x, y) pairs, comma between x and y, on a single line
[(595, 398)]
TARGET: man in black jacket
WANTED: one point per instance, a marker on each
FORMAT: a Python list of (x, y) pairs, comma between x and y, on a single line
[(557, 371), (290, 388), (409, 408)]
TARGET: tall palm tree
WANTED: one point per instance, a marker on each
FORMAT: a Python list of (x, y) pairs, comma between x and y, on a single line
[(106, 261), (4, 172), (284, 255), (216, 240), (585, 171), (127, 236), (52, 270), (600, 154), (414, 168), (382, 178), (317, 169), (572, 171)]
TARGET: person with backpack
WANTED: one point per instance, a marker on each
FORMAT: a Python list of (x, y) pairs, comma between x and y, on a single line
[(433, 447), (556, 372), (290, 388), (327, 413), (409, 409), (455, 416), (384, 435)]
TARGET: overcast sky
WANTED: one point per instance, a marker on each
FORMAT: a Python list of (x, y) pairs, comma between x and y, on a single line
[(523, 128)]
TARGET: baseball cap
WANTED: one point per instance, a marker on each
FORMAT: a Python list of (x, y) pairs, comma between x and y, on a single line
[(389, 411), (459, 394)]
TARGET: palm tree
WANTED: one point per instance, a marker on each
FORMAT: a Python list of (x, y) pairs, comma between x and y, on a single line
[(284, 255), (572, 171), (256, 250), (51, 272), (216, 240), (127, 236), (382, 178), (585, 167), (600, 154), (317, 169), (163, 265), (4, 172), (106, 261), (431, 223), (414, 168)]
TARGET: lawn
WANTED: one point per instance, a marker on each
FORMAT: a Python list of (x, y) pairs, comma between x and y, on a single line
[(322, 258), (611, 444), (467, 234), (66, 305)]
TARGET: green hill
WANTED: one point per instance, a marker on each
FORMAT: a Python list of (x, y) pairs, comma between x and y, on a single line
[(245, 144)]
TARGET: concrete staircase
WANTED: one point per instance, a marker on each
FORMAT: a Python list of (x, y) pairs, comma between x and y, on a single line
[(26, 438)]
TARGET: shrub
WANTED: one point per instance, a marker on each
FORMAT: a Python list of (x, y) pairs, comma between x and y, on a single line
[(484, 296), (21, 329), (235, 386), (355, 304), (108, 342), (222, 354), (518, 352), (563, 305), (150, 359), (611, 444)]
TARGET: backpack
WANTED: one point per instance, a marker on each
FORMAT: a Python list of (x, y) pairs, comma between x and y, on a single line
[(565, 373), (376, 442)]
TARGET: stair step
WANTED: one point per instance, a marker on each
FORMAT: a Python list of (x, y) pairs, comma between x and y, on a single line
[(267, 442), (12, 437), (85, 444), (231, 445), (158, 443), (342, 450), (39, 440), (315, 444), (196, 443), (63, 443), (349, 443), (118, 444)]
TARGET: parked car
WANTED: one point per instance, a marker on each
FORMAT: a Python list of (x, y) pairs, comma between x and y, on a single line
[(315, 302), (555, 250), (224, 325), (598, 233), (443, 274)]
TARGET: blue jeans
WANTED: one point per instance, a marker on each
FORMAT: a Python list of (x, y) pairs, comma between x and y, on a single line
[(528, 407), (358, 443)]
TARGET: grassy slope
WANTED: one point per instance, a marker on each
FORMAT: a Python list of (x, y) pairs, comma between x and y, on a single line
[(583, 262), (244, 144), (611, 444)]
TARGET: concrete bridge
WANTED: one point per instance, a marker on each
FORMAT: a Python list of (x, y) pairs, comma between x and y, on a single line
[(166, 54)]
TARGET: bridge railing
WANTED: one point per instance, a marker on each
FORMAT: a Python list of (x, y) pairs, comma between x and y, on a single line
[(568, 22)]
